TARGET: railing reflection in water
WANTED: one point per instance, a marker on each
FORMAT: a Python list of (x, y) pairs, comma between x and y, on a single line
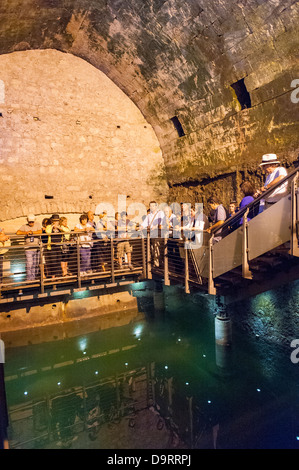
[(57, 420), (84, 413)]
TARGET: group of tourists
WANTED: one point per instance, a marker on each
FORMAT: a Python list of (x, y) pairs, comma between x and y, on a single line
[(59, 244), (58, 240)]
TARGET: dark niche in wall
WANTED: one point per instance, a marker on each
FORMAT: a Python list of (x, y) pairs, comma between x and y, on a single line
[(242, 93), (178, 126)]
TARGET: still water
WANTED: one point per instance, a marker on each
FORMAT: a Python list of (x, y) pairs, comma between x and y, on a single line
[(158, 382)]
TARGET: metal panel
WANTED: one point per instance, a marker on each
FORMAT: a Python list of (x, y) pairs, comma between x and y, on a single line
[(227, 253), (201, 258), (270, 229)]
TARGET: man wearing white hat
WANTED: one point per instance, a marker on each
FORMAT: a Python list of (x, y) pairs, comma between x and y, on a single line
[(275, 173)]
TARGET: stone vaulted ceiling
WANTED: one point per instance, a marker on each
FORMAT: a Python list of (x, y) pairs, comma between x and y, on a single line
[(177, 60)]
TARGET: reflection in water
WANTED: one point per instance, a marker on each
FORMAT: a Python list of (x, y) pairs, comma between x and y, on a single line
[(161, 381)]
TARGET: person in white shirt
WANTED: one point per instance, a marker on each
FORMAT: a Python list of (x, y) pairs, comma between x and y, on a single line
[(154, 223), (124, 226), (275, 173), (172, 224), (154, 220)]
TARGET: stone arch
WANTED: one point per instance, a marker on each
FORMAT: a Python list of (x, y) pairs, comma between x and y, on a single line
[(179, 58), (71, 138)]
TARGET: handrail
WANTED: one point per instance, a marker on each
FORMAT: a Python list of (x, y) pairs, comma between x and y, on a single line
[(34, 266), (232, 220)]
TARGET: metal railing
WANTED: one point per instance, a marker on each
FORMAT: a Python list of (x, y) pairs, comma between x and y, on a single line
[(177, 260), (35, 263), (253, 207), (245, 236), (251, 233), (40, 266)]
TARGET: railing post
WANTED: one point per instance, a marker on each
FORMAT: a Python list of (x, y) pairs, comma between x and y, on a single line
[(143, 256), (294, 249), (187, 288), (166, 269), (84, 407), (78, 262), (246, 273), (42, 267), (148, 254), (112, 259), (211, 288)]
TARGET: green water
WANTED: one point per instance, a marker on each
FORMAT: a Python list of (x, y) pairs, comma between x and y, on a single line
[(65, 392)]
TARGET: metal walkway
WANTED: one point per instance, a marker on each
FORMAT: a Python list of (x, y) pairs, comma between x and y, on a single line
[(49, 281), (253, 257), (258, 255)]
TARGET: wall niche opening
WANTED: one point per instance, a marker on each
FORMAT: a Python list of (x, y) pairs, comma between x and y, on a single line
[(242, 93), (178, 126)]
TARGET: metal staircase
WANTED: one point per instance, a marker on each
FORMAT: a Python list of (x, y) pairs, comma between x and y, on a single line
[(260, 254)]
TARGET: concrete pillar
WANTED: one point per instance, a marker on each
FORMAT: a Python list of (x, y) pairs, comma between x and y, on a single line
[(223, 331)]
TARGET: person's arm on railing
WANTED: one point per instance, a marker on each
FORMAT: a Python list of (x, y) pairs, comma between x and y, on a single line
[(30, 232), (214, 227), (269, 185)]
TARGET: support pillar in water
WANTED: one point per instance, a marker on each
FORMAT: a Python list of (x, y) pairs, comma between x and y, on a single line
[(159, 300), (223, 326), (223, 331)]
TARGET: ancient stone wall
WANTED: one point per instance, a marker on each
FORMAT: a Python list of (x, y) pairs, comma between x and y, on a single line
[(221, 69), (71, 139)]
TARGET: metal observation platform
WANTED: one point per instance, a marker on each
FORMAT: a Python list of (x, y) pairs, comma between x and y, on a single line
[(253, 256)]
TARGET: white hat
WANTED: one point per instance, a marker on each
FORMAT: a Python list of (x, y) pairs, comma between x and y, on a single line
[(268, 159), (31, 218)]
